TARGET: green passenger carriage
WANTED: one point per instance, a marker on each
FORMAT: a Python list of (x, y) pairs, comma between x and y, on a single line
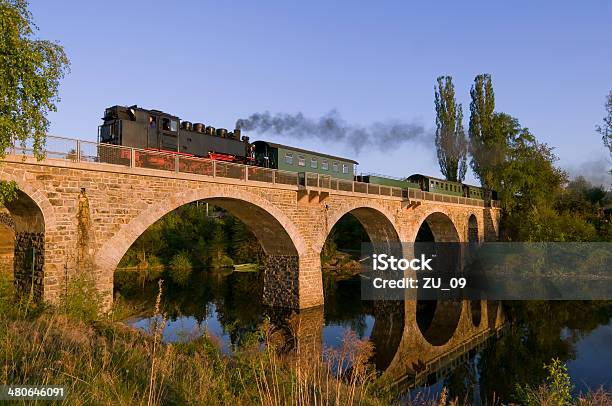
[(291, 159)]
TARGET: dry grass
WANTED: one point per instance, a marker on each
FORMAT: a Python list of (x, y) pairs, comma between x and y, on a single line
[(105, 362)]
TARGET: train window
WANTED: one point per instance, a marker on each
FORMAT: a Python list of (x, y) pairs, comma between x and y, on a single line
[(313, 163), (152, 122), (335, 166), (301, 160), (324, 165), (344, 168), (173, 125), (166, 124), (289, 158)]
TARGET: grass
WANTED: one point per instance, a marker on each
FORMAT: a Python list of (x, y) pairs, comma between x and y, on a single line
[(104, 363), (101, 361)]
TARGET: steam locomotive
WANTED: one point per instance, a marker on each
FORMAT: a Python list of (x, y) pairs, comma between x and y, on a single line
[(158, 131)]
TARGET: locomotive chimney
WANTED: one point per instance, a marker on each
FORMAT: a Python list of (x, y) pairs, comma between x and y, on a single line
[(237, 134)]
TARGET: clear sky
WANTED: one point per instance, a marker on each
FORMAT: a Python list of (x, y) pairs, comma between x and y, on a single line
[(215, 62)]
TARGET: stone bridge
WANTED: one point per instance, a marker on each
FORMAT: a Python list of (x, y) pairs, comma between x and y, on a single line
[(74, 215)]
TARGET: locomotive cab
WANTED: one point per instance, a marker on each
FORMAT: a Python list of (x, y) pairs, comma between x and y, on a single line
[(139, 128)]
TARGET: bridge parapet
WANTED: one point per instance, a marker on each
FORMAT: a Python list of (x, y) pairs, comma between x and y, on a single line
[(75, 150)]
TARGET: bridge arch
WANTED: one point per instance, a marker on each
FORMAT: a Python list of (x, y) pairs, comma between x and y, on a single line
[(377, 221), (437, 320), (34, 191), (473, 234), (30, 217), (285, 248), (442, 227)]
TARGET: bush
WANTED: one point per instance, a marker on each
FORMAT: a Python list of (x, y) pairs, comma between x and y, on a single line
[(180, 268), (557, 391), (80, 298), (221, 260)]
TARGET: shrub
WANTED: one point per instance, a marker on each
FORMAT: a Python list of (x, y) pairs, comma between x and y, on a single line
[(555, 392), (222, 261), (180, 268), (80, 298)]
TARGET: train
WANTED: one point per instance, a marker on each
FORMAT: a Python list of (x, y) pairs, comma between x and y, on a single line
[(428, 184), (154, 130)]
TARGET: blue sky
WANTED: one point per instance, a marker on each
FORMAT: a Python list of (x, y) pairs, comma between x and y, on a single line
[(216, 62)]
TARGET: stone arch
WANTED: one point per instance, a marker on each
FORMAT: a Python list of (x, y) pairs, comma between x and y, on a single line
[(35, 191), (377, 221), (279, 237), (442, 227), (473, 234), (31, 215), (438, 320)]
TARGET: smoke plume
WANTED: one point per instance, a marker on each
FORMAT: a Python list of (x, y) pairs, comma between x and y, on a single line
[(331, 127), (596, 171)]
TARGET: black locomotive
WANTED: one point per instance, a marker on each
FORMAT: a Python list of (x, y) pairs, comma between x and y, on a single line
[(158, 131)]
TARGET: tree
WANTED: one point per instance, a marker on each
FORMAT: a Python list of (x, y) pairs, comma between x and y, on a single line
[(451, 144), (606, 128), (30, 71), (483, 145)]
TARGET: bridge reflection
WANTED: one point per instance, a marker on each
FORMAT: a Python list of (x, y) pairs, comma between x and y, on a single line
[(403, 354)]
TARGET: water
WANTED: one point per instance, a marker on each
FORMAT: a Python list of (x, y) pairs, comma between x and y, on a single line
[(228, 307)]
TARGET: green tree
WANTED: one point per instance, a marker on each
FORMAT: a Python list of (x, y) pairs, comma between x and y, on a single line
[(451, 144), (484, 146), (606, 128), (30, 71), (524, 173)]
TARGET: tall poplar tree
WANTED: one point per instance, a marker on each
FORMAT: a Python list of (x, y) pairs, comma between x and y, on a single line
[(484, 147), (606, 128), (451, 144)]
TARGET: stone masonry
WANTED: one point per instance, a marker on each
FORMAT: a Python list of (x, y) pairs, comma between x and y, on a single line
[(83, 217)]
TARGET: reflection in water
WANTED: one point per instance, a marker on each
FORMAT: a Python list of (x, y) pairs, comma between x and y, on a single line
[(412, 344)]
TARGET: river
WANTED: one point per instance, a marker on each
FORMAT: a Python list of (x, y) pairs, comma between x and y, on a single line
[(473, 364)]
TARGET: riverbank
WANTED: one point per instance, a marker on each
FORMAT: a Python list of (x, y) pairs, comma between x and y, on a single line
[(105, 362), (102, 361), (99, 360)]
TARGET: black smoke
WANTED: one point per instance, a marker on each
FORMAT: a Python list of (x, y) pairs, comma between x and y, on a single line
[(331, 127)]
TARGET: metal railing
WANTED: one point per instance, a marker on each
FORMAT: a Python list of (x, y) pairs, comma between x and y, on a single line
[(87, 151)]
